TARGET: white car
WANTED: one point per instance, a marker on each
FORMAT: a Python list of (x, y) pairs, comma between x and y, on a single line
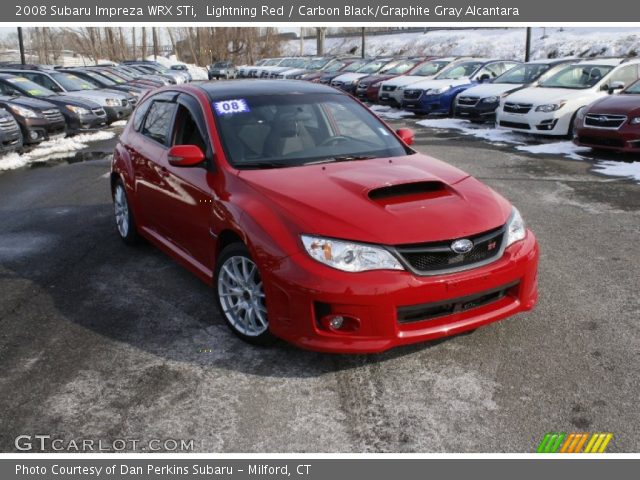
[(349, 81), (479, 103), (390, 92), (551, 107)]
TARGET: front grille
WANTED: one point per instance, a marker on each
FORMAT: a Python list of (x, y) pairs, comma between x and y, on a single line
[(336, 83), (429, 311), (363, 86), (8, 124), (468, 101), (99, 112), (604, 121), (412, 94), (521, 126), (438, 257), (53, 115), (511, 107), (603, 141), (389, 88)]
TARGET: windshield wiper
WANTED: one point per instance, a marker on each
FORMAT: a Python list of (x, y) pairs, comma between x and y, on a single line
[(249, 165), (340, 158)]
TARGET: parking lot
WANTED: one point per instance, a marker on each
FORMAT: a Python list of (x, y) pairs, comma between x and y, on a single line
[(102, 341)]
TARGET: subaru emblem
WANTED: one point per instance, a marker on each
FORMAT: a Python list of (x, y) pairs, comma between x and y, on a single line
[(462, 246)]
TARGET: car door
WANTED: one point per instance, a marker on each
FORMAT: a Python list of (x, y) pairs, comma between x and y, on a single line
[(190, 218), (148, 148)]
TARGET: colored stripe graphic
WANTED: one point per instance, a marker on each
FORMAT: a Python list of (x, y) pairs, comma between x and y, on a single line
[(553, 442)]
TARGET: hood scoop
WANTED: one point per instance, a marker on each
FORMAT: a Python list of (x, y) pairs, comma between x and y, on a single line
[(409, 192)]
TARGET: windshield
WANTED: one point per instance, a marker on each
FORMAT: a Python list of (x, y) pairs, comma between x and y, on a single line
[(71, 82), (464, 69), (373, 67), (577, 77), (317, 64), (101, 79), (271, 62), (290, 130), (334, 67), (402, 67), (220, 65), (429, 69), (111, 76), (293, 62), (355, 66), (634, 88), (30, 88), (523, 73)]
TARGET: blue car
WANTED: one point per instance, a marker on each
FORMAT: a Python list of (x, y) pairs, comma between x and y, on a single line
[(436, 96)]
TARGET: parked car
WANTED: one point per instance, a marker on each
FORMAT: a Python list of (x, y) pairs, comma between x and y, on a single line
[(392, 91), (38, 120), (116, 104), (551, 107), (348, 81), (367, 87), (436, 96), (174, 76), (243, 70), (80, 114), (314, 65), (479, 103), (314, 221), (99, 80), (10, 135), (220, 70), (347, 66), (611, 123), (144, 72), (181, 67)]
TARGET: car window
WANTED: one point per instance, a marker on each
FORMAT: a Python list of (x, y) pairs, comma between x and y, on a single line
[(186, 130), (627, 75), (494, 70), (577, 76), (289, 130), (526, 73), (429, 69), (464, 69), (158, 122), (138, 116), (40, 79), (633, 89)]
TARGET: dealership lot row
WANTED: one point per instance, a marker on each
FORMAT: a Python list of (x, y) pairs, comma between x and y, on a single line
[(102, 342)]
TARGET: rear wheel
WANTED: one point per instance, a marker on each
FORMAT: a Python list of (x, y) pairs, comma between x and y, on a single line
[(124, 216), (241, 295)]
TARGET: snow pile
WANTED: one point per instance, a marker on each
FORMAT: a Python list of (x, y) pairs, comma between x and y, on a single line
[(508, 43), (197, 73), (568, 149), (619, 169), (58, 148), (119, 123), (492, 135), (390, 112)]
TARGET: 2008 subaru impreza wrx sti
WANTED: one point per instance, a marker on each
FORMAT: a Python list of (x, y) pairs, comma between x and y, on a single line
[(315, 222)]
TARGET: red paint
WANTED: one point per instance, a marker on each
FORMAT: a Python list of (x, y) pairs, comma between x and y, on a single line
[(186, 211)]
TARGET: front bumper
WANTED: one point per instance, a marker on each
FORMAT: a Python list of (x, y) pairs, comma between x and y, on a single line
[(118, 113), (36, 130), (301, 291), (536, 123), (87, 123), (479, 112), (429, 104), (390, 97), (10, 137), (624, 139)]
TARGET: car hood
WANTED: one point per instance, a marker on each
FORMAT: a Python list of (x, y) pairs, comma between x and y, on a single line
[(542, 95), (622, 104), (349, 77), (26, 102), (369, 79), (368, 201), (67, 99), (490, 89), (404, 80), (433, 83), (99, 96)]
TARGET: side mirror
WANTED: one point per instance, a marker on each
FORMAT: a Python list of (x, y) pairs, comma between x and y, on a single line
[(406, 135), (185, 156), (485, 77), (616, 86)]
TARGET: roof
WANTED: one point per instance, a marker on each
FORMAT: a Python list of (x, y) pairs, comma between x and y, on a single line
[(250, 87), (602, 61)]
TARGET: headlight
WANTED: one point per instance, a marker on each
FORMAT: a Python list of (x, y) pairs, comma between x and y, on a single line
[(516, 229), (78, 110), (582, 111), (635, 121), (550, 107), (436, 91), (349, 256), (375, 84), (134, 93), (24, 112), (112, 102), (490, 100)]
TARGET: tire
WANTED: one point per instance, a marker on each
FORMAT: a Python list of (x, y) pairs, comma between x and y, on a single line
[(125, 222), (240, 295), (572, 125)]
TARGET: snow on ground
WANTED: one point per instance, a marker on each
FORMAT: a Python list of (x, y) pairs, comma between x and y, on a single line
[(490, 134), (495, 42), (619, 169), (58, 148), (197, 73), (568, 149), (389, 112), (119, 123)]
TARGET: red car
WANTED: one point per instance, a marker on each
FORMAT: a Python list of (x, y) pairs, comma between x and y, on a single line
[(369, 86), (313, 221), (611, 123)]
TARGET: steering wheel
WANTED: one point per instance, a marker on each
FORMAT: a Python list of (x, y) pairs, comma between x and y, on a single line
[(331, 141)]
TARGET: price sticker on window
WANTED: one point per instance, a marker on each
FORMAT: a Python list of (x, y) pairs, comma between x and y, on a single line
[(227, 107)]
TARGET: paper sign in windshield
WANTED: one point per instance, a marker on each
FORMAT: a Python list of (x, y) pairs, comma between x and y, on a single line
[(227, 107)]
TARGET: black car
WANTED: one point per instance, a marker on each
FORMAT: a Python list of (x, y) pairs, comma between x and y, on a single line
[(80, 114), (96, 78), (38, 120), (10, 135)]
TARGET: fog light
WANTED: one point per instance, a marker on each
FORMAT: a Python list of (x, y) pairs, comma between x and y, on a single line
[(336, 322), (33, 135)]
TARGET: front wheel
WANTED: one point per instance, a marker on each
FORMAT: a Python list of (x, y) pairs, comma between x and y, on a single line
[(241, 295), (124, 216)]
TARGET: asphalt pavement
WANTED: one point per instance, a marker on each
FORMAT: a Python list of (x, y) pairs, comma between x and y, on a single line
[(102, 341)]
